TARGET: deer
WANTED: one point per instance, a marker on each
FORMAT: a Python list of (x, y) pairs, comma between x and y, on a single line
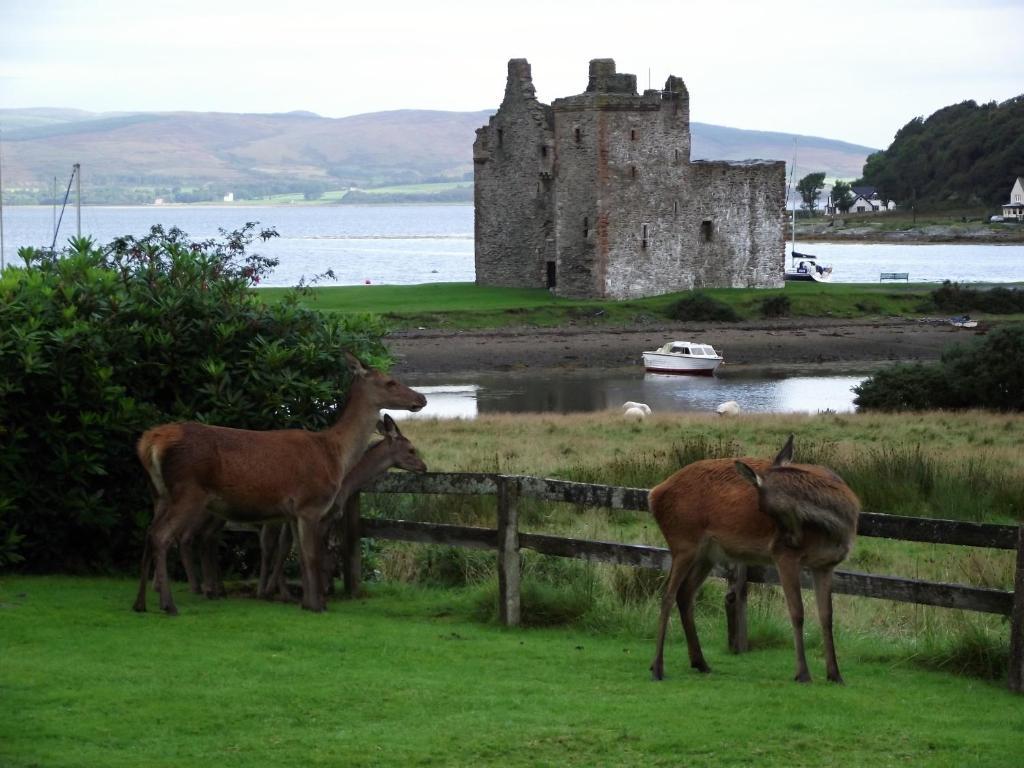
[(252, 476), (755, 512), (394, 450)]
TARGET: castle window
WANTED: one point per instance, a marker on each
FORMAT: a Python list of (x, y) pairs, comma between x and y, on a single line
[(576, 133), (501, 137), (677, 155), (632, 171), (543, 150), (632, 134), (705, 231), (675, 206), (586, 226), (643, 235)]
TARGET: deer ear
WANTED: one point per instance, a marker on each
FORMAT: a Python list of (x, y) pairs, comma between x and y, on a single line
[(390, 428), (785, 455), (382, 428), (748, 474), (354, 365)]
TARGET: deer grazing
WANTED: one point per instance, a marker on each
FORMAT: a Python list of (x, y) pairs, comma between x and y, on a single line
[(395, 450), (253, 476), (752, 511)]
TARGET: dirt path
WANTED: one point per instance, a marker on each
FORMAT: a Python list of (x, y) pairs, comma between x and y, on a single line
[(823, 344)]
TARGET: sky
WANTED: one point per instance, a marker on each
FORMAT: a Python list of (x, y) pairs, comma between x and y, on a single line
[(850, 71)]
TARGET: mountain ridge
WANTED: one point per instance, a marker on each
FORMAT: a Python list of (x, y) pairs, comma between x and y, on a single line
[(264, 153)]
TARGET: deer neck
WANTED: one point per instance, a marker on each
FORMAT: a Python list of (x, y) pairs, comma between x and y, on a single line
[(375, 461), (353, 428)]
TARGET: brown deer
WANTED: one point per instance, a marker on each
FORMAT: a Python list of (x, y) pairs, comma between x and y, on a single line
[(753, 511), (395, 450), (251, 476)]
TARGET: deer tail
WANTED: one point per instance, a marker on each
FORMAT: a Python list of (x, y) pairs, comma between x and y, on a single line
[(151, 455)]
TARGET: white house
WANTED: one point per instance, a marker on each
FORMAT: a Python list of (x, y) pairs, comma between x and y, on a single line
[(865, 200), (1015, 208)]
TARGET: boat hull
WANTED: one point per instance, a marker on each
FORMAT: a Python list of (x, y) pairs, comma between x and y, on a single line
[(807, 277), (680, 364)]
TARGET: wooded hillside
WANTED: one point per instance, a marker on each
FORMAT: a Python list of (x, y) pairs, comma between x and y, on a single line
[(963, 155)]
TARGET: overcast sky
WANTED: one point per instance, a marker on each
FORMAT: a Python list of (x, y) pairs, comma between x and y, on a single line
[(850, 71)]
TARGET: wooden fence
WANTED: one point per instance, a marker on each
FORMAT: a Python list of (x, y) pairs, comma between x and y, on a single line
[(508, 540)]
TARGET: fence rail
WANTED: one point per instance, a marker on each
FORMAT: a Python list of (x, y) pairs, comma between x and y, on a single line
[(508, 541)]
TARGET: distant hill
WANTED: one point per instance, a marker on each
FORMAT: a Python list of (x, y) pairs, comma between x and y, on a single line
[(133, 157)]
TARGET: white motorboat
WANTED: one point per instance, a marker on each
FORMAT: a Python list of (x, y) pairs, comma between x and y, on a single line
[(686, 357)]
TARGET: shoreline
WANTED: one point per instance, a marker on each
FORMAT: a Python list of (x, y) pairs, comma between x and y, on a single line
[(811, 345)]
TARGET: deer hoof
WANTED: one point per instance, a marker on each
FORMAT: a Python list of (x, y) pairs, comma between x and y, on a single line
[(803, 677), (837, 679), (702, 667), (657, 672)]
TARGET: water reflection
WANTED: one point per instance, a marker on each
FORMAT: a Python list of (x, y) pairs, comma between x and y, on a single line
[(577, 392)]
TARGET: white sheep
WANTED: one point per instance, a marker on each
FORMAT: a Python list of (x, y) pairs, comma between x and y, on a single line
[(634, 414), (728, 408), (643, 407)]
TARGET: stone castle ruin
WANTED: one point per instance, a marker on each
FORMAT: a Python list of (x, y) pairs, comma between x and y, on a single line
[(596, 195)]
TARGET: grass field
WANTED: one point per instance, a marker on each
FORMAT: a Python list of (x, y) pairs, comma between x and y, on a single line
[(468, 306), (407, 677)]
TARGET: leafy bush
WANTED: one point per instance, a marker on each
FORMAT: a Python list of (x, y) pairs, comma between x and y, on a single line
[(775, 306), (986, 374), (700, 306), (953, 297), (98, 344)]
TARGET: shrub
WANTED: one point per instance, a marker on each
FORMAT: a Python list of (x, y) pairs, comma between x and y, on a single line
[(953, 297), (98, 344), (700, 306), (986, 374), (775, 306)]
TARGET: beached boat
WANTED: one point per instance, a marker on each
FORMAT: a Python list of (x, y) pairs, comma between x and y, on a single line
[(686, 357), (963, 321)]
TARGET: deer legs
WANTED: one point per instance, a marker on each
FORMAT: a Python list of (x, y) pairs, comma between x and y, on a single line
[(823, 598), (788, 566), (310, 553)]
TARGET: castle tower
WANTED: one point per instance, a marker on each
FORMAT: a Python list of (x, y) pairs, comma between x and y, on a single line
[(618, 156), (513, 158)]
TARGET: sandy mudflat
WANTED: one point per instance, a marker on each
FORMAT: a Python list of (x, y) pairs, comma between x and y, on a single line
[(825, 345)]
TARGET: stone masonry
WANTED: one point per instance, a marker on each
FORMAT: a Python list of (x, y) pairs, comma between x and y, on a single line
[(596, 195)]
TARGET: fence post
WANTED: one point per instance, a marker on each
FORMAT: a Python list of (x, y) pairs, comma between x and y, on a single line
[(1016, 681), (508, 551), (351, 547), (736, 609)]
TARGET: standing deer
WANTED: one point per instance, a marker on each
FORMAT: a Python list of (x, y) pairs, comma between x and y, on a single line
[(251, 476), (395, 450), (750, 511)]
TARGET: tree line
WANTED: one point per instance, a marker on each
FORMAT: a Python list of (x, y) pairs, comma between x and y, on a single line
[(963, 155)]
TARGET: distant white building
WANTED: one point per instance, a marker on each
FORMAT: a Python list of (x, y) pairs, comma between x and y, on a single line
[(229, 197), (1015, 208), (865, 200)]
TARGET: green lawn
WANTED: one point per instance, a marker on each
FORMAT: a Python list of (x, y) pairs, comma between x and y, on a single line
[(466, 305), (404, 678)]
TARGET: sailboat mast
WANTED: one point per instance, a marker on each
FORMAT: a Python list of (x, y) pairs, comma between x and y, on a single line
[(78, 193)]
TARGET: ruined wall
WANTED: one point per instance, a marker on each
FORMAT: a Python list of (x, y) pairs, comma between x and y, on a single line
[(744, 202), (513, 158)]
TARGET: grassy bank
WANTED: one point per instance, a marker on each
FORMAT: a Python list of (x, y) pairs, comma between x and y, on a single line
[(406, 677), (468, 306)]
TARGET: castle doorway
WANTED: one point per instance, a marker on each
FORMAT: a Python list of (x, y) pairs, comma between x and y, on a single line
[(551, 274)]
